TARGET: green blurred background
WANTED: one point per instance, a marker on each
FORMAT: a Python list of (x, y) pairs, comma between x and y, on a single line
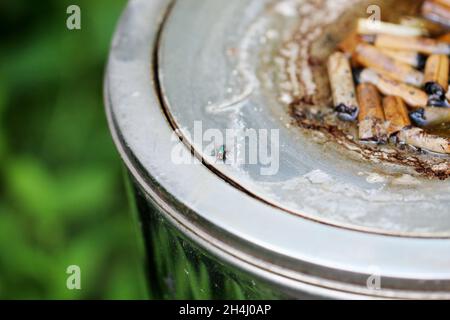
[(62, 196)]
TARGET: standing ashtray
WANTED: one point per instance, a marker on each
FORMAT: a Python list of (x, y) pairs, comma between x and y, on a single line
[(235, 199)]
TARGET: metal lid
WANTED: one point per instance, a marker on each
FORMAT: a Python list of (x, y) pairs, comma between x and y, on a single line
[(318, 222)]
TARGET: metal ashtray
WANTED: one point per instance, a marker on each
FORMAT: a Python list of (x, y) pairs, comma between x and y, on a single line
[(301, 219)]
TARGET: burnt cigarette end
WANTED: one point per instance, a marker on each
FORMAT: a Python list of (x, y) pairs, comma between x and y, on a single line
[(357, 75), (436, 76), (347, 113), (421, 61), (418, 117), (342, 87), (431, 117), (435, 89), (438, 101)]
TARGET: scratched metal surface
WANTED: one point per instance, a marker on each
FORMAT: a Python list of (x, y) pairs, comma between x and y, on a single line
[(221, 69)]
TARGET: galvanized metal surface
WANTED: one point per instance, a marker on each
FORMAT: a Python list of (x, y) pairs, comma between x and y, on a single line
[(253, 227)]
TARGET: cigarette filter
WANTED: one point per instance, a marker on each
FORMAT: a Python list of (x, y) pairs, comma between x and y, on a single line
[(371, 57), (418, 44), (371, 115), (414, 97), (396, 114), (367, 27), (436, 75), (342, 86), (420, 139), (430, 116), (411, 58)]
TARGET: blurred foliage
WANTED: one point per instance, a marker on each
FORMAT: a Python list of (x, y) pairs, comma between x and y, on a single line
[(62, 197)]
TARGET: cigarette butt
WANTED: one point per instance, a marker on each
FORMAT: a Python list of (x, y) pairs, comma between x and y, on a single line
[(411, 58), (422, 45), (349, 44), (445, 38), (437, 101), (420, 139), (342, 86), (437, 11), (396, 114), (367, 27), (412, 96), (370, 102), (371, 57), (436, 75), (432, 27), (430, 116), (371, 115)]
